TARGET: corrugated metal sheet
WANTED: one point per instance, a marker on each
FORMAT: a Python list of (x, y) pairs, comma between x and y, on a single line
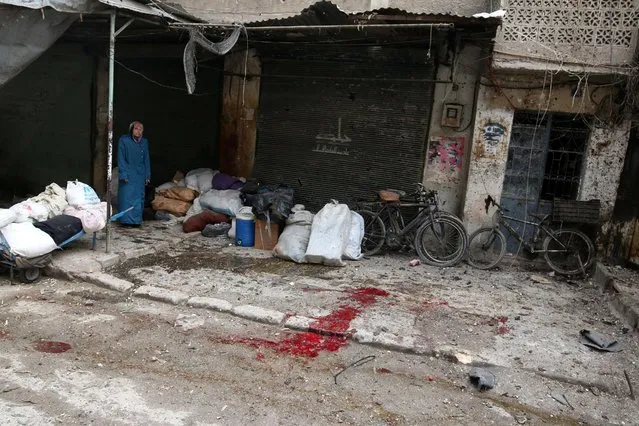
[(305, 12), (343, 128)]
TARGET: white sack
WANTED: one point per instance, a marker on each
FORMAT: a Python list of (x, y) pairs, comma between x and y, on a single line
[(225, 201), (196, 208), (53, 198), (329, 235), (293, 242), (92, 216), (200, 179), (29, 210), (79, 194), (231, 233), (7, 216), (27, 241), (353, 249)]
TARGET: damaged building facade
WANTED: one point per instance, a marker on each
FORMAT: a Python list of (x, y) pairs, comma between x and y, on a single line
[(339, 99)]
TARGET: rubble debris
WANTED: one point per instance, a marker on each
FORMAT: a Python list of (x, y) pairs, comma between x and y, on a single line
[(414, 262), (482, 379), (598, 341), (357, 363), (188, 322)]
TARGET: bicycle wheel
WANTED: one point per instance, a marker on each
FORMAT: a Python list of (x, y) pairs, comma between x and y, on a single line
[(441, 241), (569, 252), (374, 233), (486, 248)]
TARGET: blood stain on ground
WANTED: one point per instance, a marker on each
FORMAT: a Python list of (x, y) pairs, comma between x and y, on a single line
[(52, 347), (4, 334), (496, 320), (503, 330), (383, 370), (327, 333)]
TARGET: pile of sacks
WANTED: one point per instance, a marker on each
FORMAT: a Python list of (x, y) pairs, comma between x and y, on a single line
[(331, 236), (38, 225)]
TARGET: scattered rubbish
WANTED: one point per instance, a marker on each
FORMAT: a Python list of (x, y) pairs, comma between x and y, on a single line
[(188, 322), (463, 358), (357, 363), (632, 392), (52, 347), (600, 342), (539, 279), (215, 230), (414, 262), (482, 378), (89, 303), (564, 402), (521, 419)]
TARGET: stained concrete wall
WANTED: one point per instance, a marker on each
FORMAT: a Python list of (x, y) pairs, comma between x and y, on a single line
[(448, 148), (496, 105), (45, 123)]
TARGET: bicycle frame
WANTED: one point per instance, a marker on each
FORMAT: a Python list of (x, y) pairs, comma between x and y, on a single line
[(529, 244), (402, 229)]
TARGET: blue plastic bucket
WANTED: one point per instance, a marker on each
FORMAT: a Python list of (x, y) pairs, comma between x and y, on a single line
[(245, 228)]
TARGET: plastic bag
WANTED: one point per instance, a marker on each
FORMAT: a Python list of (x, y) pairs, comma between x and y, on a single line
[(353, 249), (329, 235), (79, 194), (93, 216), (225, 201), (200, 179), (26, 240), (166, 185), (196, 208), (7, 216), (293, 242), (53, 198)]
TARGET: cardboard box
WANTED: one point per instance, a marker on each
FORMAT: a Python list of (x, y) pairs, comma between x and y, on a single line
[(266, 235)]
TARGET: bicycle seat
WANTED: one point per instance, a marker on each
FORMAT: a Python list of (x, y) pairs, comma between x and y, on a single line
[(392, 195), (540, 216)]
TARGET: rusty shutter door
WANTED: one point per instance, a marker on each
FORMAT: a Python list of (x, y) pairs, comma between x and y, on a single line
[(342, 129)]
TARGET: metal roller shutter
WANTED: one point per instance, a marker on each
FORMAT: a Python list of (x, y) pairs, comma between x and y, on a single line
[(341, 129)]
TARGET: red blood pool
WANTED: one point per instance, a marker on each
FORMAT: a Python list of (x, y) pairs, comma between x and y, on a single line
[(338, 321), (52, 347), (502, 319), (368, 295), (260, 356), (503, 330), (383, 370)]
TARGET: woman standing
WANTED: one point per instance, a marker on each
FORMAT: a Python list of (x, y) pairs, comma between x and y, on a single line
[(134, 170)]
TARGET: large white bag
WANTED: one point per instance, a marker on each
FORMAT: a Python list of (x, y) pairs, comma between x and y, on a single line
[(27, 241), (329, 235), (29, 210), (353, 249), (293, 242), (92, 216), (225, 201), (200, 179), (79, 194), (196, 208), (7, 216)]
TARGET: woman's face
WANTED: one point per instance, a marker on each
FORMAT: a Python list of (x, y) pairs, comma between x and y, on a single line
[(138, 129)]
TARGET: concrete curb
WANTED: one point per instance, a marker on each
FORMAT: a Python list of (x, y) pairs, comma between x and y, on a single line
[(619, 302)]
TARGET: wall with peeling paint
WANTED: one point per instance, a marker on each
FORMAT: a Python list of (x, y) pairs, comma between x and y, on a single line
[(495, 108), (603, 165), (447, 150)]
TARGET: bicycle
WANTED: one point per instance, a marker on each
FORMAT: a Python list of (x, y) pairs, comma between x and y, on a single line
[(566, 251), (438, 237)]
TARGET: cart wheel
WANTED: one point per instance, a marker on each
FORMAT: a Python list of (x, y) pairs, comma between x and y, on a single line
[(29, 275)]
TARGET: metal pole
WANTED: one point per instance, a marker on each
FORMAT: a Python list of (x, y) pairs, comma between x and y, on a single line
[(110, 128), (314, 27)]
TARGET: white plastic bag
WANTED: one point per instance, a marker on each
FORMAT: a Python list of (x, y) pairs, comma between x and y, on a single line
[(329, 235), (79, 194), (196, 208), (200, 179), (225, 201), (293, 241), (26, 240), (93, 216), (7, 216), (353, 249)]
